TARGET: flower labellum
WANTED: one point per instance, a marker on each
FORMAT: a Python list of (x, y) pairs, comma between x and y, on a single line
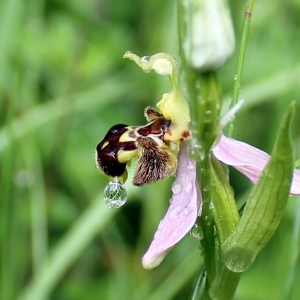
[(156, 159)]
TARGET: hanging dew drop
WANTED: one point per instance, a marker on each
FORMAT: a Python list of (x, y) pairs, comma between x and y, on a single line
[(196, 232), (115, 194)]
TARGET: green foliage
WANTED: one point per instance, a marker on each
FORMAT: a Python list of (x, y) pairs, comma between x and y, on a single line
[(225, 213), (264, 207), (63, 84)]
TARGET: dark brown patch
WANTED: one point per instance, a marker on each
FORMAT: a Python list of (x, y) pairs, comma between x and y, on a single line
[(248, 15), (107, 156), (153, 163), (186, 134), (167, 143), (152, 114), (155, 127)]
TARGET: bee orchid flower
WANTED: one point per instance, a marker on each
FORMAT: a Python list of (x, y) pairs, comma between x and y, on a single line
[(161, 148)]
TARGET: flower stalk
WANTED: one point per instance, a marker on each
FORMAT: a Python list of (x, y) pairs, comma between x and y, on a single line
[(205, 102)]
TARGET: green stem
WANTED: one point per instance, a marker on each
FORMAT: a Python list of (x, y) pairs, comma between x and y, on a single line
[(204, 94), (205, 102), (206, 219), (290, 279), (224, 284), (241, 60)]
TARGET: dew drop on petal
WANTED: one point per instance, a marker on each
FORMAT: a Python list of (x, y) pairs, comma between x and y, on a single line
[(174, 212), (176, 188), (191, 166), (188, 187), (186, 211), (115, 194)]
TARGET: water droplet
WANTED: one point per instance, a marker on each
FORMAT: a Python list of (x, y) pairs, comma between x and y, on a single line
[(145, 58), (206, 188), (115, 194), (182, 224), (186, 211), (195, 150), (176, 188), (202, 252), (194, 126), (188, 187), (191, 165), (196, 232), (208, 116), (235, 77), (174, 212)]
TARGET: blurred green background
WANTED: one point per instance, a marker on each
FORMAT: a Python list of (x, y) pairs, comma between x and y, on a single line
[(63, 84)]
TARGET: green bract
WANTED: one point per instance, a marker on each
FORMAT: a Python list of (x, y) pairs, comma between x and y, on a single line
[(265, 206)]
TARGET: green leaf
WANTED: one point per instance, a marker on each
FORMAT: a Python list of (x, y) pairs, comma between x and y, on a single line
[(226, 218), (265, 206), (225, 213)]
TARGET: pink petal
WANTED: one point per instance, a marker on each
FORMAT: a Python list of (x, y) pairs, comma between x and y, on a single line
[(182, 212), (247, 159)]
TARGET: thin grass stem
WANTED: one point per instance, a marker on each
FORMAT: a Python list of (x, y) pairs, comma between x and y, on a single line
[(240, 61)]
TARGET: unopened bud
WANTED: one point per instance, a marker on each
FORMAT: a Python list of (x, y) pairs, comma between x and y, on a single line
[(207, 33)]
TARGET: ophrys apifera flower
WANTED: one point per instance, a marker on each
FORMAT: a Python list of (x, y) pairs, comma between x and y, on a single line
[(161, 148)]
